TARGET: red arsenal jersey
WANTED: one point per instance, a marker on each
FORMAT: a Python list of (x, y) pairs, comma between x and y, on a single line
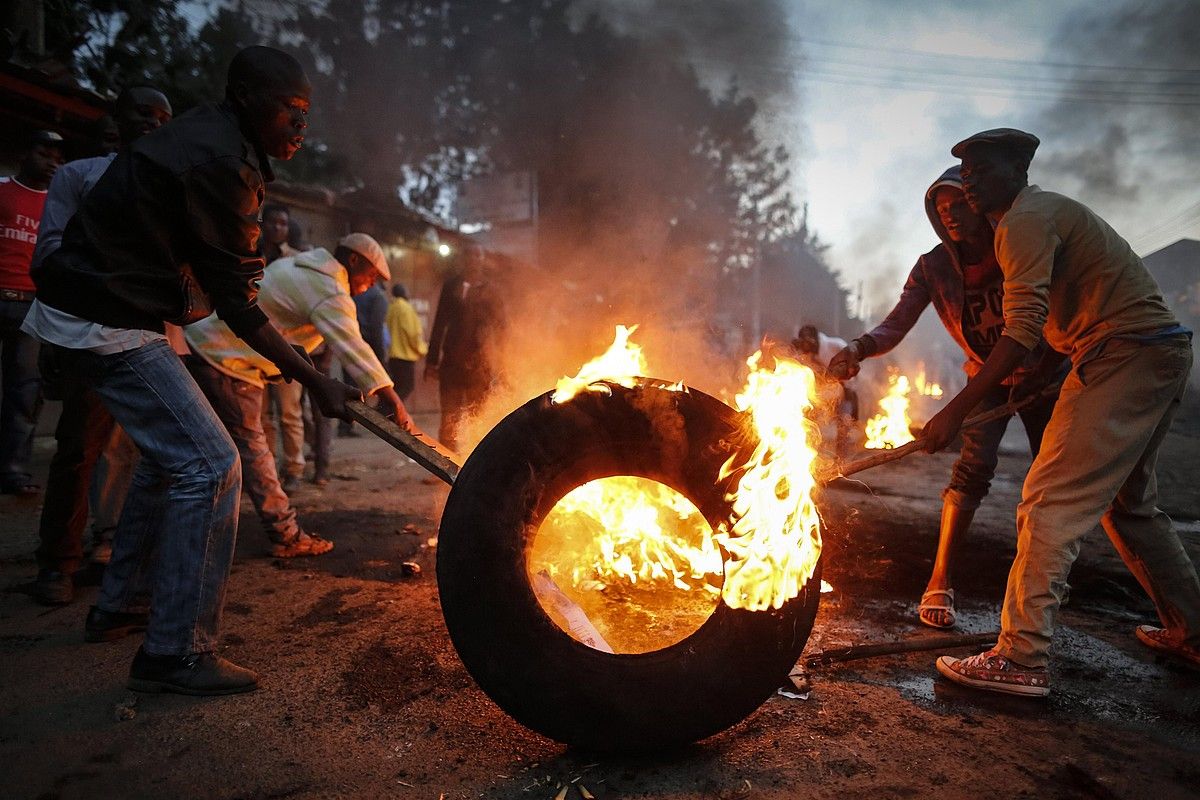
[(20, 213)]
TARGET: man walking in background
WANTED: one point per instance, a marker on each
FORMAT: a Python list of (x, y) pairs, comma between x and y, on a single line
[(22, 198), (406, 342), (466, 328)]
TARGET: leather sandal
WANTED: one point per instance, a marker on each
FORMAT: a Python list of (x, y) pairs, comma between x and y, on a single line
[(928, 604)]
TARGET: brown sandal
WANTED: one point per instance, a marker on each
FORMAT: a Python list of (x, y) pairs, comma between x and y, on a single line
[(305, 544)]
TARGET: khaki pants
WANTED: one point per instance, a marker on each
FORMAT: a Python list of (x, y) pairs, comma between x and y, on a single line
[(287, 397), (1097, 463)]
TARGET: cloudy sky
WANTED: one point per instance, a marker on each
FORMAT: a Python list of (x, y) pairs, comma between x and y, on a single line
[(880, 90)]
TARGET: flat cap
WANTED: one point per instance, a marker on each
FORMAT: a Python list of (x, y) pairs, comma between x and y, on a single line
[(1011, 138), (368, 248)]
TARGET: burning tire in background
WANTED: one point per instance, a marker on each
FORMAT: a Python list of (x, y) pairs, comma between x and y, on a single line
[(683, 665)]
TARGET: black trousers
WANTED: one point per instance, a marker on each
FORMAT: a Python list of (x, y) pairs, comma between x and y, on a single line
[(83, 431)]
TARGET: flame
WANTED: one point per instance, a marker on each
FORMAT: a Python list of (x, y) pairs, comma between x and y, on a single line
[(925, 388), (622, 536), (774, 537), (633, 530), (890, 428), (622, 363)]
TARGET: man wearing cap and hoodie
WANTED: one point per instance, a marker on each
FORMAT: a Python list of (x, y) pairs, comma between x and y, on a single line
[(308, 297), (962, 279), (1070, 276)]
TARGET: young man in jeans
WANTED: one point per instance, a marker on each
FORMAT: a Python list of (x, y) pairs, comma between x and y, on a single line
[(1069, 276), (170, 229)]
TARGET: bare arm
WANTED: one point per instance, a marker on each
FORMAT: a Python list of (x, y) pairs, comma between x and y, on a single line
[(1005, 357), (330, 394)]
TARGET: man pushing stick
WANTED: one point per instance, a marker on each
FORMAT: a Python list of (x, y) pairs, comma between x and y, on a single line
[(168, 234), (1068, 274)]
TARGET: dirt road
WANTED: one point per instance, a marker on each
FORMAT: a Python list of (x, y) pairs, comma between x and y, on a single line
[(363, 695)]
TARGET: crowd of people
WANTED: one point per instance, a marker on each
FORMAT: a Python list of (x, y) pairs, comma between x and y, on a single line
[(185, 326)]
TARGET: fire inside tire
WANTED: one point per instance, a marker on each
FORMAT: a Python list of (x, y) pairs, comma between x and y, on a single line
[(533, 669)]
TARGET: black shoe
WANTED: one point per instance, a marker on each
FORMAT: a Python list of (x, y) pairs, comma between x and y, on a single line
[(195, 674), (108, 626), (53, 588)]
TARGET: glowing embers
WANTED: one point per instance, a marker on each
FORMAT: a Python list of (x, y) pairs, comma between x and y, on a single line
[(890, 427), (626, 565), (774, 535)]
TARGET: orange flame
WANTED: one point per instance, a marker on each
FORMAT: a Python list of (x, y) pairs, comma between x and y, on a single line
[(774, 538), (924, 387), (635, 530), (622, 363), (890, 428), (629, 530)]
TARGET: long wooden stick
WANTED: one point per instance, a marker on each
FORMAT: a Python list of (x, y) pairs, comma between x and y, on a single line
[(431, 455), (917, 645), (887, 456)]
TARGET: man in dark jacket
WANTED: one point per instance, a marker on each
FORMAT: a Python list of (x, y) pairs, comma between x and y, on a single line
[(467, 327), (963, 281), (170, 230)]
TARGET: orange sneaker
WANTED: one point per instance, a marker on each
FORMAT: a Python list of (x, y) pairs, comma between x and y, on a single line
[(1164, 641)]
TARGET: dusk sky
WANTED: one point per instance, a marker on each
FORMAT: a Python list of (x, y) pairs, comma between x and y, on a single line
[(869, 96), (884, 89)]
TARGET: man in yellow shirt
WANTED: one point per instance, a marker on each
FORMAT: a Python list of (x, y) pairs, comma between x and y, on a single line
[(1070, 276), (406, 343)]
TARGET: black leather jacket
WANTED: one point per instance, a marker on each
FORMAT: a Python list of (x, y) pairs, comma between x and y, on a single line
[(169, 233)]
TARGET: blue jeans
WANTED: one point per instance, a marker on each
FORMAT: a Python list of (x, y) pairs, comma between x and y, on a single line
[(21, 398), (180, 518)]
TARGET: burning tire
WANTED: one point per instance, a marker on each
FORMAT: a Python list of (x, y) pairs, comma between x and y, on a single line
[(533, 669)]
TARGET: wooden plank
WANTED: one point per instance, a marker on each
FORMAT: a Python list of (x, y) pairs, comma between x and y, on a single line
[(430, 454)]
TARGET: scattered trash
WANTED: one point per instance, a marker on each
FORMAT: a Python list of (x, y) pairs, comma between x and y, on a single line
[(410, 569), (577, 620), (125, 709), (796, 687)]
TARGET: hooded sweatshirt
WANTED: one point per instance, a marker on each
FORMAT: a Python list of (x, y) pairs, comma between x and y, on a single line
[(307, 297), (964, 303)]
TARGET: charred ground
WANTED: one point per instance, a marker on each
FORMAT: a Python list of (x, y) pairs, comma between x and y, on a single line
[(363, 694)]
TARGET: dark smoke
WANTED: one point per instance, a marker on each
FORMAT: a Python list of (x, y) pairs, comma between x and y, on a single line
[(744, 39), (1104, 151)]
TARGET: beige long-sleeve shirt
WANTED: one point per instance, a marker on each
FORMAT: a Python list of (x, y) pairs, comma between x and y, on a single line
[(1069, 275), (307, 297)]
